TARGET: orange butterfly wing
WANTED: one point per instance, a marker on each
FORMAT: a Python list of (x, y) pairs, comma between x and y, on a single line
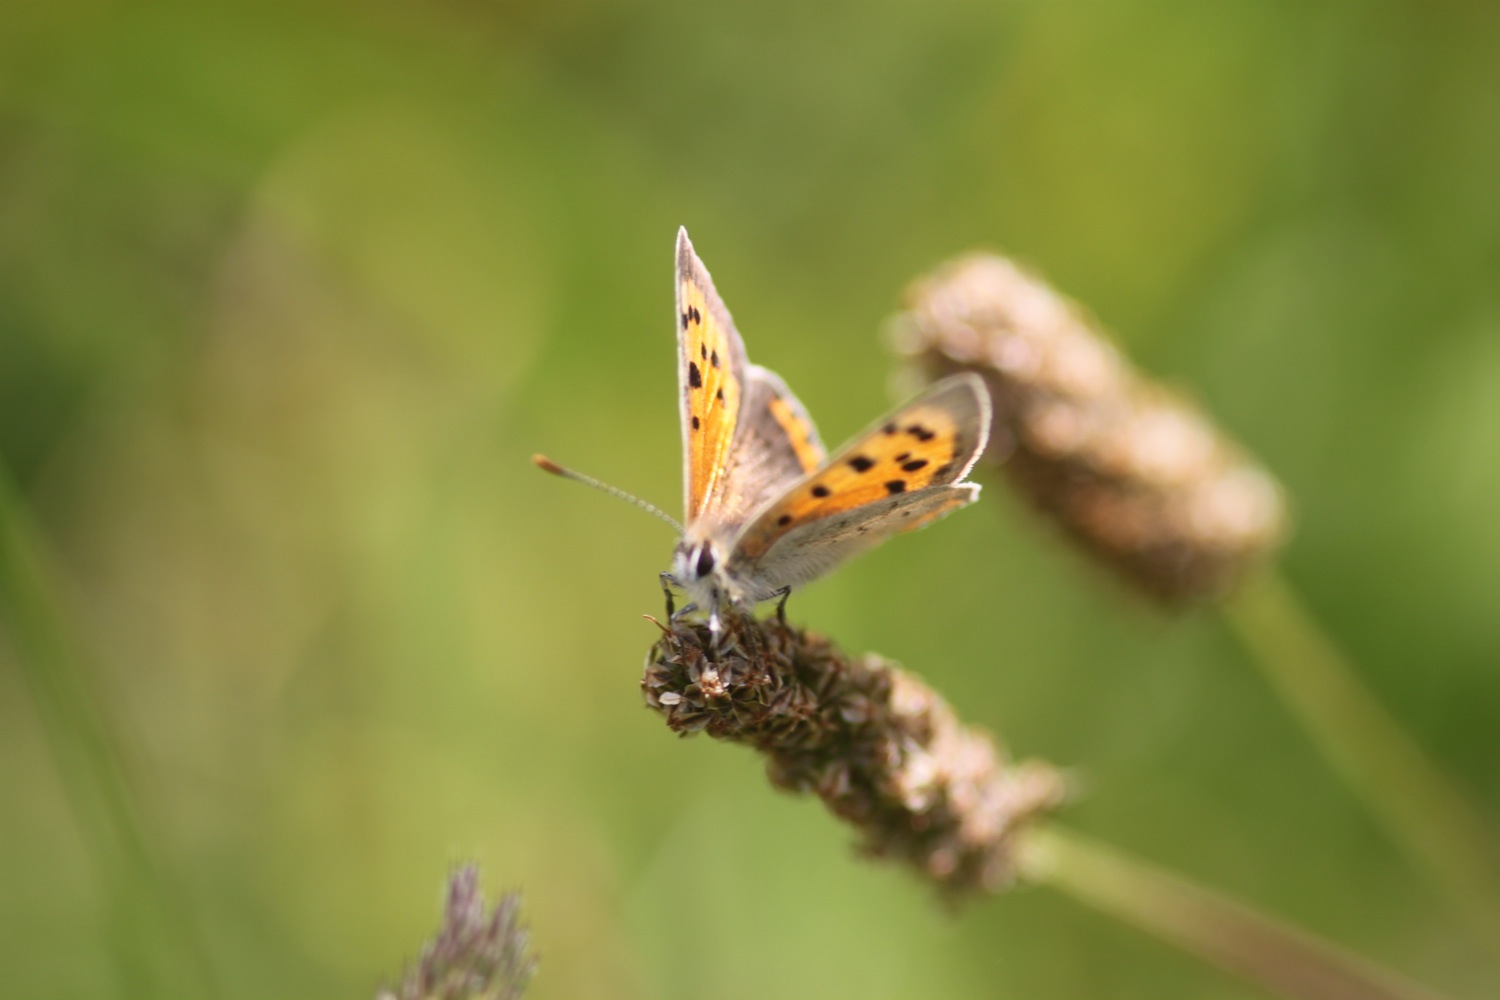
[(796, 426), (933, 441), (710, 381), (774, 445)]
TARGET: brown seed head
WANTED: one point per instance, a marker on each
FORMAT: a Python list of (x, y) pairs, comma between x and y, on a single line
[(1133, 471), (881, 749)]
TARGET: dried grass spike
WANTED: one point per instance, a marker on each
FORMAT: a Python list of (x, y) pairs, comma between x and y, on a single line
[(478, 953), (881, 749), (1133, 471)]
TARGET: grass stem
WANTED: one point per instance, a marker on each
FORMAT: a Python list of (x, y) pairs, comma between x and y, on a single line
[(1283, 959), (1428, 816), (156, 943)]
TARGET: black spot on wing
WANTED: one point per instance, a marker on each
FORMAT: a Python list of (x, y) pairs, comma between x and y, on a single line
[(713, 359), (695, 377), (890, 429), (914, 465), (695, 423), (820, 491), (896, 486), (861, 463), (784, 520), (719, 395), (921, 433)]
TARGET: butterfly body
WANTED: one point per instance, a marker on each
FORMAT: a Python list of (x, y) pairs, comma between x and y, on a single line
[(766, 508)]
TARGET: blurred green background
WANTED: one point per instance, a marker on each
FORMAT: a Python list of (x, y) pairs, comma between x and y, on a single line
[(290, 292)]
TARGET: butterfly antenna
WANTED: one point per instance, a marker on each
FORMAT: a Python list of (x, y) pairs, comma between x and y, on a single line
[(547, 465)]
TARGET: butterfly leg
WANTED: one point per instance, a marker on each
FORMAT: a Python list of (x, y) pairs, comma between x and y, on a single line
[(785, 592), (668, 581), (674, 613)]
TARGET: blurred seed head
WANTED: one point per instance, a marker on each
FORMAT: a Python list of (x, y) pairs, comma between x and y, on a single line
[(881, 749), (1132, 470), (478, 954)]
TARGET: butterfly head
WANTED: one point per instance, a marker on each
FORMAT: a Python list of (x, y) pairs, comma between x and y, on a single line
[(697, 566)]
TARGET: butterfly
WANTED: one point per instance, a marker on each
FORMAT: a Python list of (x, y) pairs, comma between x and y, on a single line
[(766, 508)]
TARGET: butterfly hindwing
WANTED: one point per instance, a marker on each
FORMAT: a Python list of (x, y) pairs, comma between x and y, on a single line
[(775, 445), (710, 381), (873, 483), (804, 449), (814, 547)]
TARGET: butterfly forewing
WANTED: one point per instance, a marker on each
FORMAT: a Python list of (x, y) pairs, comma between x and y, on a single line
[(930, 442), (710, 379)]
